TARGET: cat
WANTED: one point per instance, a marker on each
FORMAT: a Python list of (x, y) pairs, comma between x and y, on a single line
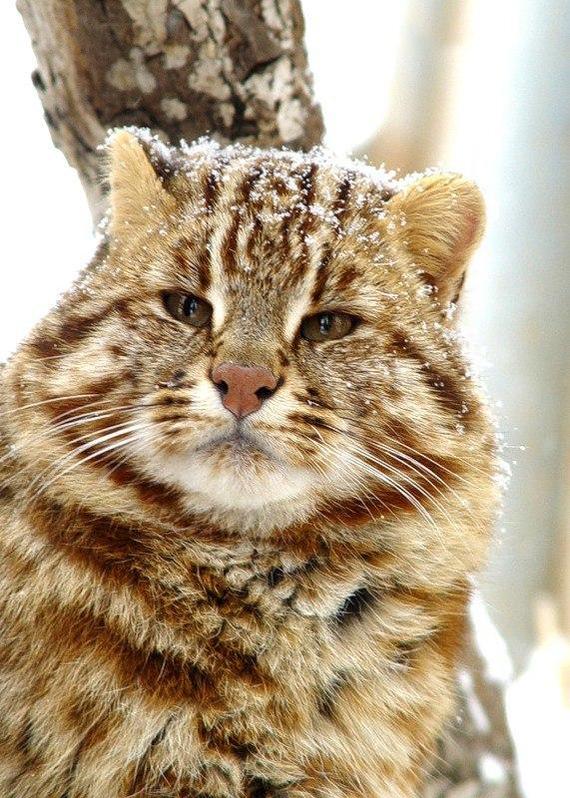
[(245, 481)]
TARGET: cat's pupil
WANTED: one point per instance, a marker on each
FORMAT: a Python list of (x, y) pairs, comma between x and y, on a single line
[(325, 323), (190, 306)]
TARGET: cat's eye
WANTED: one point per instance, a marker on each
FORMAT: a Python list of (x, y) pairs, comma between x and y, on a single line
[(188, 308), (327, 326)]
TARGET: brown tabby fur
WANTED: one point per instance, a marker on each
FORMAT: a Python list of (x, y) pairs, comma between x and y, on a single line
[(190, 614)]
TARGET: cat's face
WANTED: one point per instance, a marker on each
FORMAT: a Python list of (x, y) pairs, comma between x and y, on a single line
[(263, 331)]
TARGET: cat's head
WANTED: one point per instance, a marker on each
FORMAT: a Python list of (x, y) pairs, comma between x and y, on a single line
[(263, 331)]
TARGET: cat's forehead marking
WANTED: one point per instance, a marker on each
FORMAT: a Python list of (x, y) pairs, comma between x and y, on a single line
[(275, 225), (269, 238)]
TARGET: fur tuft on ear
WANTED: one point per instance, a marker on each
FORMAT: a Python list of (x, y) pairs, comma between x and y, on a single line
[(135, 179), (439, 220)]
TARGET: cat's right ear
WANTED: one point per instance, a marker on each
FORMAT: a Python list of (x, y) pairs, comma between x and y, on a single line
[(135, 181)]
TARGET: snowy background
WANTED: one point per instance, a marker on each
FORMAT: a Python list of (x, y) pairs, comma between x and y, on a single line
[(506, 97)]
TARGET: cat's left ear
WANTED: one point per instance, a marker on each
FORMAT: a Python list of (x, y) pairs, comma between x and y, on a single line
[(137, 185), (439, 220)]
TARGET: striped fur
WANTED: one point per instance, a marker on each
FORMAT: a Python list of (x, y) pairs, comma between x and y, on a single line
[(186, 617)]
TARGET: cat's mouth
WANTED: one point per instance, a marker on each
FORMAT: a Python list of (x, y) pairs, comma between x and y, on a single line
[(238, 442)]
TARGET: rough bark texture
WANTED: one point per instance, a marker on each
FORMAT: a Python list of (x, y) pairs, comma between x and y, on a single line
[(233, 68), (236, 69)]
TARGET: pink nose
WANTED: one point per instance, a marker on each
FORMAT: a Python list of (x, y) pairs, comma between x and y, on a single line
[(243, 388)]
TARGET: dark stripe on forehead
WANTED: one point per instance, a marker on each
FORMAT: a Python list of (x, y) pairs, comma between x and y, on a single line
[(340, 208), (346, 278), (308, 181), (242, 199), (341, 202), (308, 178), (254, 237), (285, 240), (228, 253), (300, 223), (211, 191), (204, 267), (211, 188), (322, 273), (248, 184)]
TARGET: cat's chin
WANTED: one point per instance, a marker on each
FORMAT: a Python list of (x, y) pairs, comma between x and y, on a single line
[(234, 473)]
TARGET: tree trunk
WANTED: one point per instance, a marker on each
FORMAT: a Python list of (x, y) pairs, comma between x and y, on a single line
[(476, 757), (237, 70), (234, 68)]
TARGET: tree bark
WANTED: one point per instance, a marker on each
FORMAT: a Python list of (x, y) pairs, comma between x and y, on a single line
[(476, 756), (237, 70)]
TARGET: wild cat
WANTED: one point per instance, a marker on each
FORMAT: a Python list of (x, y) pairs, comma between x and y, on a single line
[(245, 481)]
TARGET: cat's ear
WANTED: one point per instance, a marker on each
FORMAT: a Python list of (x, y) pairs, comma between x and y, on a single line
[(439, 220), (136, 179)]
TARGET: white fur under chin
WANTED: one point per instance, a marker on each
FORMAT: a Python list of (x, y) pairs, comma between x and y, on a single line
[(230, 485), (275, 500), (244, 480)]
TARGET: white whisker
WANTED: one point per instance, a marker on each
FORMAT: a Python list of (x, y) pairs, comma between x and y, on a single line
[(54, 467), (45, 402), (106, 449)]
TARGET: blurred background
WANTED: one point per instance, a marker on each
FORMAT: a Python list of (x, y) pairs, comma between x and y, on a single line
[(476, 86)]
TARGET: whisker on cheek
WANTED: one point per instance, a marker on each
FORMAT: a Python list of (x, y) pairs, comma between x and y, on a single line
[(69, 413), (53, 400), (357, 484), (132, 452), (56, 466), (52, 430), (27, 442), (368, 457), (97, 434), (78, 463), (356, 457)]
